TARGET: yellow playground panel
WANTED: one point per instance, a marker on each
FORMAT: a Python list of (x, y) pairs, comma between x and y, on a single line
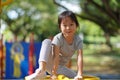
[(62, 77)]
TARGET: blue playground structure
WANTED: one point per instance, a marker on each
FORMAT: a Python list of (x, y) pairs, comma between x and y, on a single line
[(23, 65)]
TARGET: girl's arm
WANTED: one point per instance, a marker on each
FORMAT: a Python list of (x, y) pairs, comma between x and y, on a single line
[(80, 64), (56, 60)]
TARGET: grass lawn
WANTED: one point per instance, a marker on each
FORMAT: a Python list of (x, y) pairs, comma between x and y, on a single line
[(99, 59)]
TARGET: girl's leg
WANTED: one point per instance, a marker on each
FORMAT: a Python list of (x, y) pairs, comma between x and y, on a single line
[(45, 50), (66, 71), (46, 56), (45, 60)]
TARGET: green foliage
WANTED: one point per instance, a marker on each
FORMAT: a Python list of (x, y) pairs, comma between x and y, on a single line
[(90, 28), (36, 16), (104, 13), (40, 17)]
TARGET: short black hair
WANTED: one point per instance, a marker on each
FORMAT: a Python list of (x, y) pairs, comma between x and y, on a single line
[(67, 14)]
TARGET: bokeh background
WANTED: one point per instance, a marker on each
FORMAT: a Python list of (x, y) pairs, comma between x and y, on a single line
[(25, 23)]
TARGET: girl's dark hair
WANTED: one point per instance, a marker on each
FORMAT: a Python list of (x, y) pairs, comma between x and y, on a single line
[(67, 14)]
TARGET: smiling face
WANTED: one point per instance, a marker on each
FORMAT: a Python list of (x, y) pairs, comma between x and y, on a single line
[(68, 27)]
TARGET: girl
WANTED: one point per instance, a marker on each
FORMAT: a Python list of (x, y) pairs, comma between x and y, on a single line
[(55, 54)]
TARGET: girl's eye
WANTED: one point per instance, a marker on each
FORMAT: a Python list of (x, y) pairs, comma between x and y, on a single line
[(64, 25), (71, 24)]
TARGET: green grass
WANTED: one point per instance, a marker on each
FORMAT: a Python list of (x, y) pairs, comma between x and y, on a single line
[(100, 59)]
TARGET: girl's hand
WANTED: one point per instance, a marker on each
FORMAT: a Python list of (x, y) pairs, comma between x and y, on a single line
[(78, 78), (54, 77)]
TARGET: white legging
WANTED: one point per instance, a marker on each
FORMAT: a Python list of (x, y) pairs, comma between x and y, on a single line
[(46, 55)]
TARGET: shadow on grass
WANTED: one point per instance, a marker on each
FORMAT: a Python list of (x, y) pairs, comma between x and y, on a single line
[(103, 62)]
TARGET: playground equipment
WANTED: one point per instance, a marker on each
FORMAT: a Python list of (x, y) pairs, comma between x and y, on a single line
[(62, 77), (2, 53)]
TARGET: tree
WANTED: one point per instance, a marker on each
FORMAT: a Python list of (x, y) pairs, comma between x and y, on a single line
[(105, 13), (36, 16)]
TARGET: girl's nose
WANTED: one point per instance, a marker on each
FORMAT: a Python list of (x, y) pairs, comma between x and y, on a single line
[(68, 27)]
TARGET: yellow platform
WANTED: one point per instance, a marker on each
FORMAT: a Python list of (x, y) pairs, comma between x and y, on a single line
[(62, 77)]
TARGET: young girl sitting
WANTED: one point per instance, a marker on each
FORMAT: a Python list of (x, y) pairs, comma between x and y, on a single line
[(56, 53)]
